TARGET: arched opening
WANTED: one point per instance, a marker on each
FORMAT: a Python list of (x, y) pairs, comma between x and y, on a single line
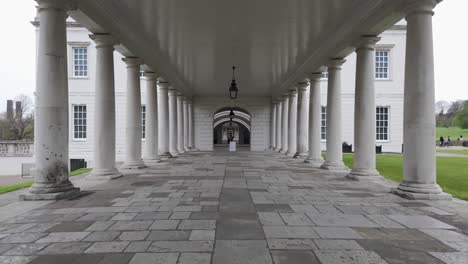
[(237, 129)]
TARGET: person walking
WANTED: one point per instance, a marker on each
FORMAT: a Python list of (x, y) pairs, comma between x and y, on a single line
[(441, 141)]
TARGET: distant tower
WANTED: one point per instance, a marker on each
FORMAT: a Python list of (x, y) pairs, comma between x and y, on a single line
[(9, 112), (18, 110)]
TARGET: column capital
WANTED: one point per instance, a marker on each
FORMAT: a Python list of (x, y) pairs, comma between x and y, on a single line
[(65, 5), (152, 76), (186, 100), (285, 96), (103, 40), (420, 6), (367, 42), (335, 64), (132, 62), (292, 91), (172, 91), (315, 76), (302, 85)]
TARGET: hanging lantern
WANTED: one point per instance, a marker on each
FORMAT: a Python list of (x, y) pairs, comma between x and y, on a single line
[(233, 89)]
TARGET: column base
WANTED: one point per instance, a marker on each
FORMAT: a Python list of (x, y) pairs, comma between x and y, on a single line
[(174, 155), (291, 154), (181, 151), (364, 175), (338, 167), (283, 151), (165, 156), (50, 196), (151, 162), (315, 162), (133, 165), (276, 149), (301, 155), (418, 191), (103, 175), (186, 149)]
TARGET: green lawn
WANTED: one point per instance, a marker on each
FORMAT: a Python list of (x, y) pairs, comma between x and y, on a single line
[(452, 132), (454, 151), (14, 187), (452, 173)]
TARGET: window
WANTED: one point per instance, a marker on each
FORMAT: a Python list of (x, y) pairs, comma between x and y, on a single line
[(382, 60), (79, 122), (80, 62), (324, 123), (382, 124), (325, 75), (142, 73), (143, 121)]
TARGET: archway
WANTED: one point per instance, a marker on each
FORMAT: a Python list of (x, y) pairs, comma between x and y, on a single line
[(238, 129)]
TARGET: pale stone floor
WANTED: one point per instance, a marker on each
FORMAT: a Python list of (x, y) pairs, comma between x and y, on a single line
[(246, 207)]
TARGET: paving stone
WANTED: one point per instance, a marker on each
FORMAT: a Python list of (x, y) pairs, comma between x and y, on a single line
[(6, 247), (459, 245), (138, 246), (100, 226), (204, 215), (296, 219), (270, 219), (164, 224), (155, 258), (133, 235), (291, 244), (65, 248), (124, 216), (202, 235), (445, 235), (180, 215), (239, 226), (169, 235), (337, 244), (22, 238), (131, 225), (96, 217), (72, 226), (102, 236), (384, 221), (392, 234), (348, 257), (293, 257), (420, 221), (290, 232), (278, 208), (64, 237), (195, 258), (152, 215), (300, 208), (337, 232), (15, 259), (197, 224), (181, 246), (341, 220), (107, 247), (67, 258), (25, 249), (241, 251)]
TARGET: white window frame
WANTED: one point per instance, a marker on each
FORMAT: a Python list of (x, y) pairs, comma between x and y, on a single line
[(388, 124), (143, 122), (71, 60), (324, 76), (389, 49), (85, 131), (322, 133)]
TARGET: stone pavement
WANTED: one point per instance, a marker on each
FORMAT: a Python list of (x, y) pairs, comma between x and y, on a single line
[(236, 208)]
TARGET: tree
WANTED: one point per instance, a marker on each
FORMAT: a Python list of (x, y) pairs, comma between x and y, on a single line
[(441, 107), (460, 119), (20, 125)]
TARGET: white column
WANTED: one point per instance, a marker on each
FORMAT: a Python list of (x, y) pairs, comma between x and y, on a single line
[(163, 118), (51, 123), (285, 125), (173, 134), (151, 155), (334, 161), (180, 123), (273, 125), (279, 126), (104, 113), (315, 122), (292, 125), (364, 113), (186, 124), (191, 124), (419, 168), (133, 158), (303, 120)]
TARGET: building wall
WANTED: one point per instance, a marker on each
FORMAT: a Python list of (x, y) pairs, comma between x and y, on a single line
[(388, 93)]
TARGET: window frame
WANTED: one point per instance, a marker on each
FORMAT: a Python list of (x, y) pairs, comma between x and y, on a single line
[(388, 124), (71, 60), (143, 122), (322, 113), (85, 131), (389, 49)]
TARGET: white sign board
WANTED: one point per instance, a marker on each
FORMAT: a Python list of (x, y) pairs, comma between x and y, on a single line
[(232, 146)]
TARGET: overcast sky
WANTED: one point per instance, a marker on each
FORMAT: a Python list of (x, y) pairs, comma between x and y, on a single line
[(17, 70)]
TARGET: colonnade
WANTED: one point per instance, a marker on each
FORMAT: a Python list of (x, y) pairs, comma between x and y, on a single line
[(289, 120)]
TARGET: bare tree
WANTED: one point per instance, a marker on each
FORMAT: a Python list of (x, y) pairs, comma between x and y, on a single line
[(21, 124), (441, 107)]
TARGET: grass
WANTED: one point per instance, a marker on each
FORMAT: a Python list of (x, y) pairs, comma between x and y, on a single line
[(454, 151), (14, 187), (452, 132), (452, 173)]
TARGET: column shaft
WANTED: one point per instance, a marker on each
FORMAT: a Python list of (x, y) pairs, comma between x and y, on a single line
[(51, 120), (315, 123), (419, 168), (180, 124), (292, 125), (279, 126), (273, 126), (163, 119), (364, 114), (191, 125), (285, 125), (173, 134), (151, 155), (133, 128), (186, 124), (334, 161), (104, 115), (303, 121)]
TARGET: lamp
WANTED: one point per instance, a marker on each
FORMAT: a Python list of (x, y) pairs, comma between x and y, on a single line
[(233, 89), (231, 114)]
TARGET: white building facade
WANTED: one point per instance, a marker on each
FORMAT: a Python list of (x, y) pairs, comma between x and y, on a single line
[(389, 82)]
